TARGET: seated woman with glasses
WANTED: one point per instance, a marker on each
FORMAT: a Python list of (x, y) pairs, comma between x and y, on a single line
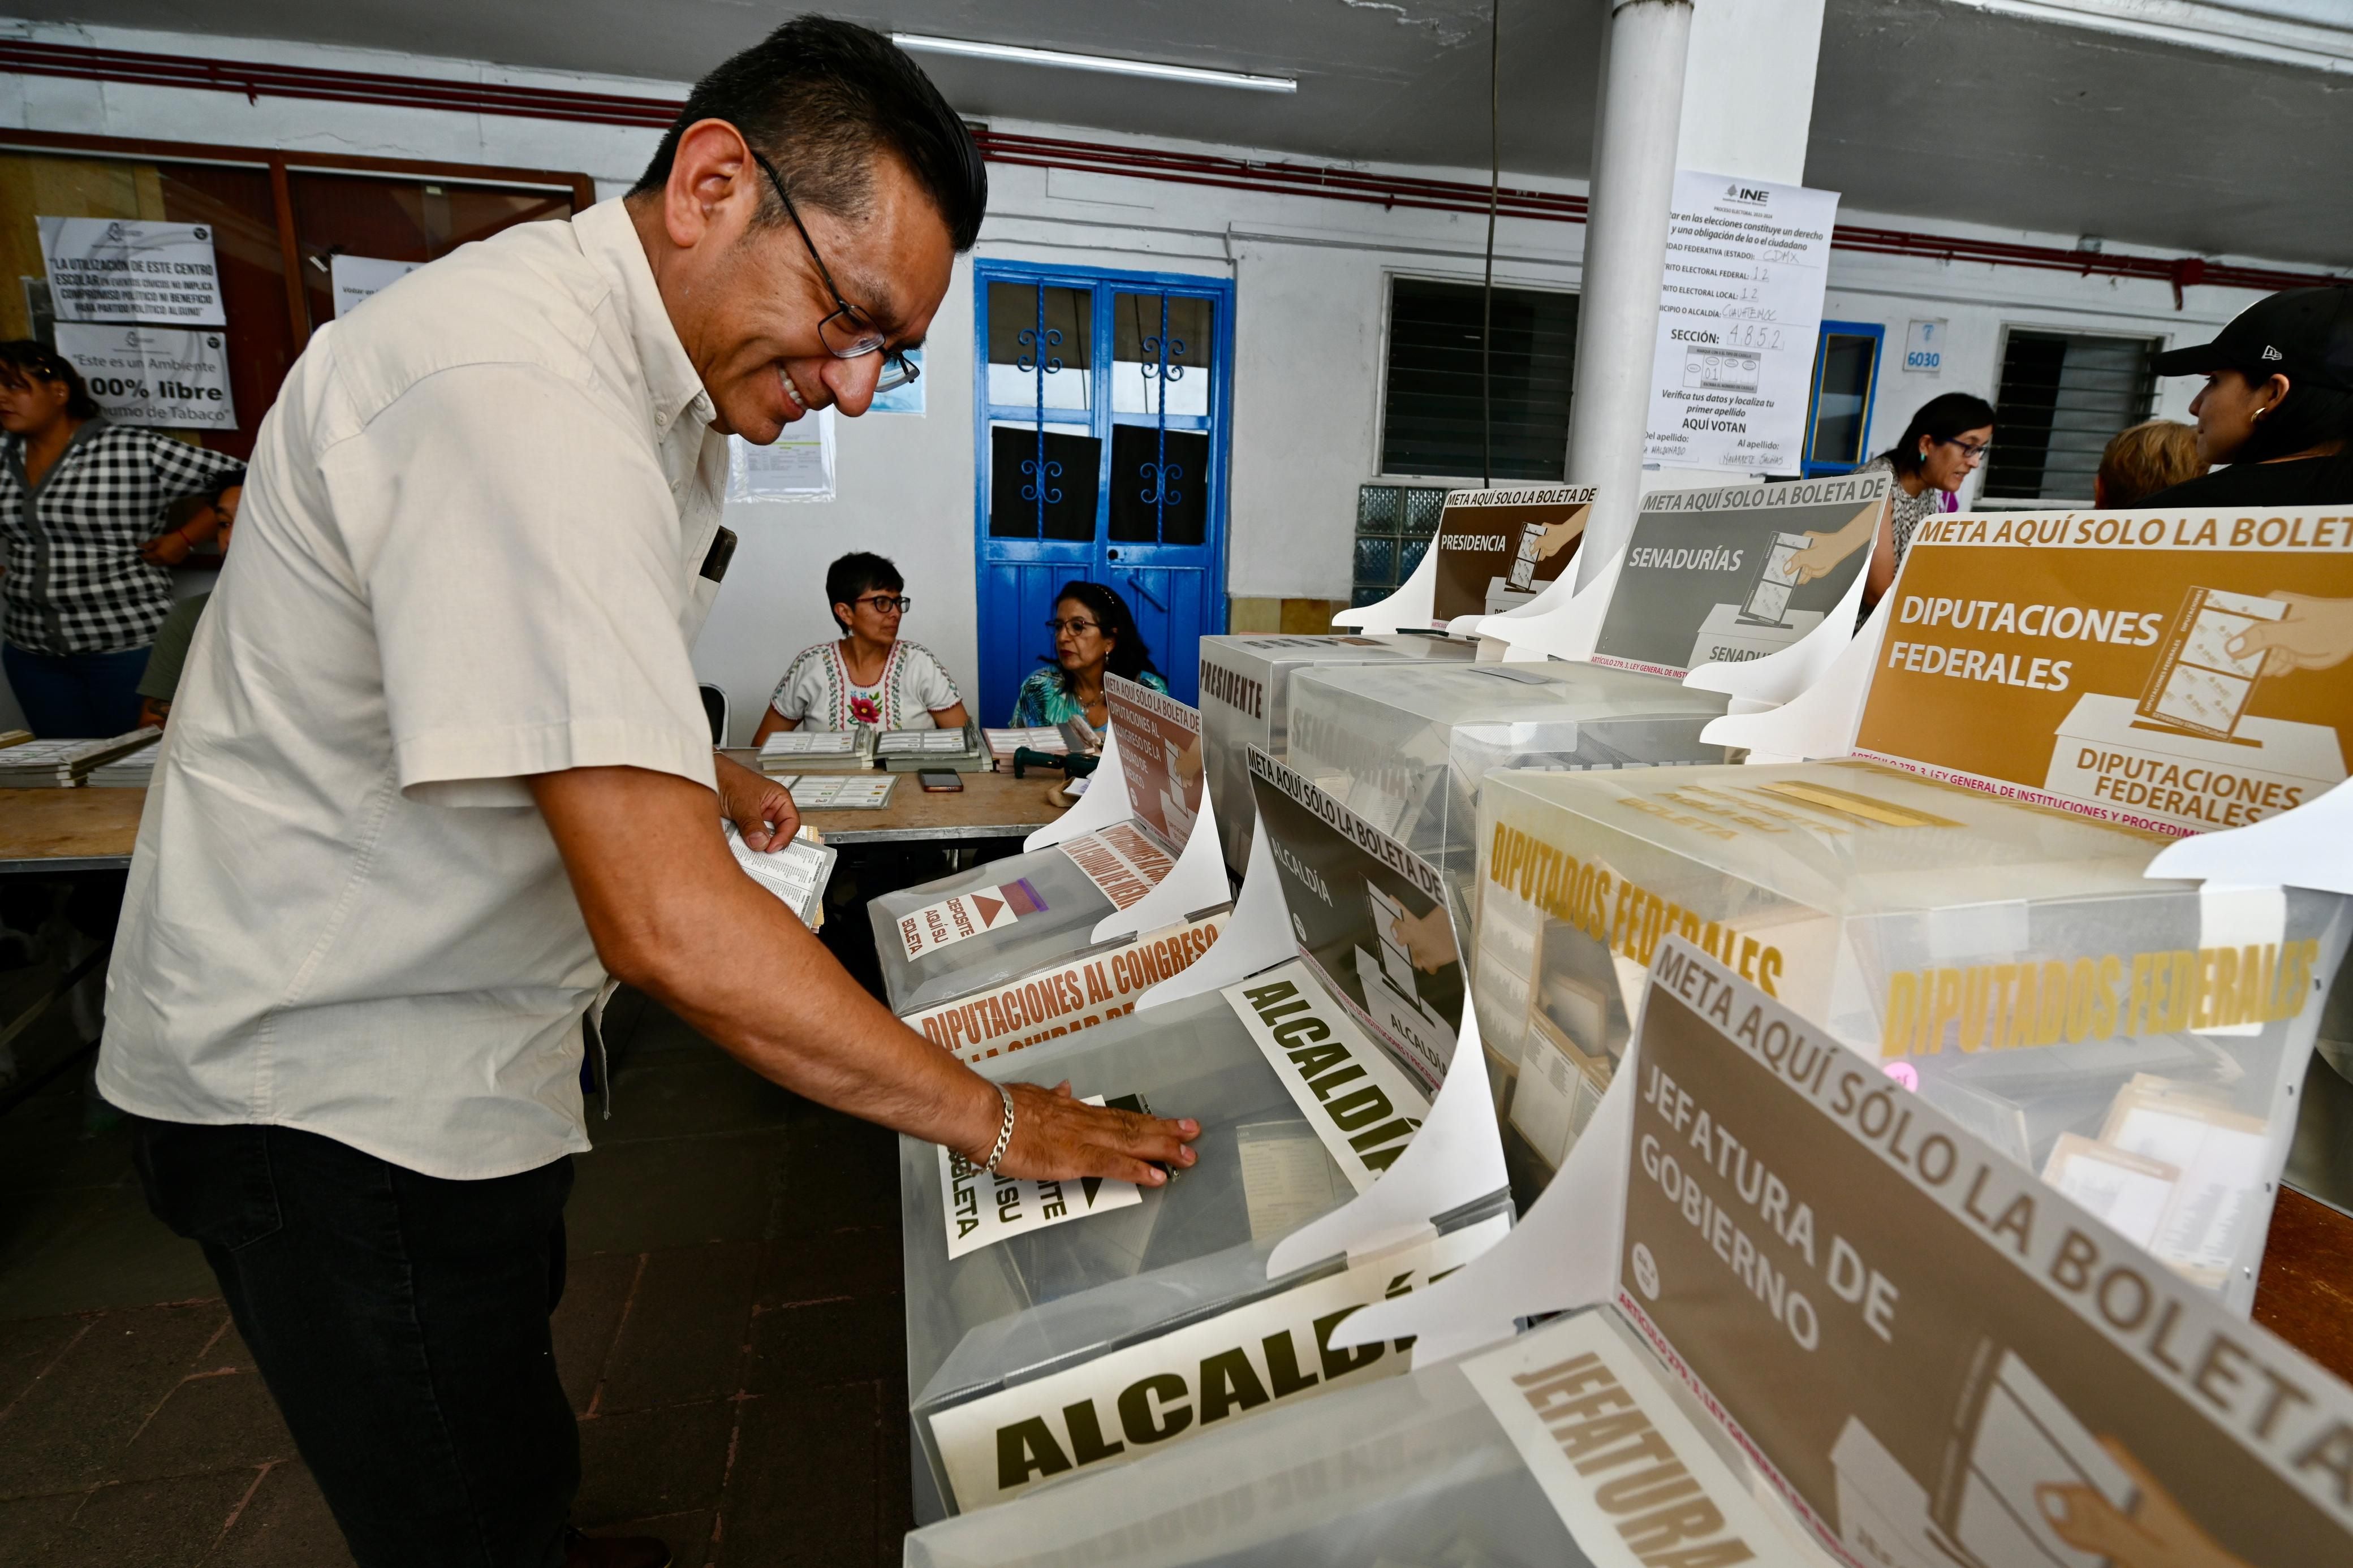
[(1094, 633), (1945, 443), (869, 676)]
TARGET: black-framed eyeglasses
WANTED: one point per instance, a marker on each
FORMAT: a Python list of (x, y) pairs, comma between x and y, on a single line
[(1971, 452), (899, 601), (849, 332), (1074, 625)]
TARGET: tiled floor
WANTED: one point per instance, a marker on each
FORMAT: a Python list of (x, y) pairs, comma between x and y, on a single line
[(731, 1336)]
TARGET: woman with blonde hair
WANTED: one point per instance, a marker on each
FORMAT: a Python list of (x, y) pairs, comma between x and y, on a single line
[(2152, 456)]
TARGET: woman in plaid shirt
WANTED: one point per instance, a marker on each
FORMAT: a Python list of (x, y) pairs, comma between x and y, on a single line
[(81, 503)]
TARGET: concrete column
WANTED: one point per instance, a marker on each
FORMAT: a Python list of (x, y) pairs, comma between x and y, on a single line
[(1625, 261)]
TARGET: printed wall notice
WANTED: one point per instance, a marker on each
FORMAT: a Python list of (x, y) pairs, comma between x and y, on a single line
[(797, 466), (2172, 671), (1075, 995), (1498, 548), (358, 278), (1733, 575), (1937, 1359), (1160, 753), (1746, 263), (170, 376), (130, 270)]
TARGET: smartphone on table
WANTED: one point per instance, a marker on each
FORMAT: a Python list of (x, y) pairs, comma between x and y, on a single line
[(943, 782)]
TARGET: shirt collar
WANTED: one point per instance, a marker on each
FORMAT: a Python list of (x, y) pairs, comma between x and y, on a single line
[(607, 237)]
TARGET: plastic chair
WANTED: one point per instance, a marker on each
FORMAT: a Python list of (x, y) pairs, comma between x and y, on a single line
[(715, 708)]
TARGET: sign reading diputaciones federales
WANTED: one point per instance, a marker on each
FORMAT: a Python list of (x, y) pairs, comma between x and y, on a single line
[(1938, 1360), (2174, 671)]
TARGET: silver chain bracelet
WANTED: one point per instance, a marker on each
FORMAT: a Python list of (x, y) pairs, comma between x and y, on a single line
[(1004, 1131)]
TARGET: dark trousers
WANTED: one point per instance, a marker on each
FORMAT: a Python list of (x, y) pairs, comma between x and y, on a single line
[(401, 1322), (68, 696)]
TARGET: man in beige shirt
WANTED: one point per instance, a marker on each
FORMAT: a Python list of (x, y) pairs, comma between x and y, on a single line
[(437, 766)]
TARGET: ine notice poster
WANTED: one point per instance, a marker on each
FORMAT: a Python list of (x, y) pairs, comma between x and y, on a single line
[(1741, 307), (2173, 671), (1498, 548), (1938, 1360), (1725, 576), (131, 269)]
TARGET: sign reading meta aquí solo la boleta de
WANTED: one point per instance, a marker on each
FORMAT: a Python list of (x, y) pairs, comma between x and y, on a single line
[(2174, 671)]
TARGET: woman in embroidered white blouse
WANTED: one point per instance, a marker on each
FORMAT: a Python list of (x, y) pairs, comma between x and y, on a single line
[(868, 676)]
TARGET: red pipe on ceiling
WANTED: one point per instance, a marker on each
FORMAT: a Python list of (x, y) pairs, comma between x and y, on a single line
[(1328, 182)]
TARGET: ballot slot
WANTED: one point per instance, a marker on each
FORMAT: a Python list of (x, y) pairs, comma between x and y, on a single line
[(2137, 1041), (1310, 1077), (1246, 701)]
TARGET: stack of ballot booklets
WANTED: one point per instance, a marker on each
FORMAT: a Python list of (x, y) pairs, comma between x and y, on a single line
[(797, 873), (132, 770), (818, 751), (838, 792), (65, 765), (1046, 738), (925, 751)]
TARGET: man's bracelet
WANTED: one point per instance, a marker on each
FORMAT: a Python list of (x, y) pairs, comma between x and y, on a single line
[(1004, 1131)]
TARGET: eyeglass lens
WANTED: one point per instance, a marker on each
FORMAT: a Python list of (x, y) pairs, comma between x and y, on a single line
[(900, 602), (1075, 627)]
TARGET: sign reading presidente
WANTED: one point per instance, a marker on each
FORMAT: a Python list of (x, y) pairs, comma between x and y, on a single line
[(2173, 672), (1937, 1359), (1725, 576), (1498, 548)]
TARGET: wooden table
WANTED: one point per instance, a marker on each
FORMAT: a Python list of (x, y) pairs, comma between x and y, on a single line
[(68, 830), (990, 805)]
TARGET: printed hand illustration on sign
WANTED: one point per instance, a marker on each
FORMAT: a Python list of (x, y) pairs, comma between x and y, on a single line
[(1821, 558), (2156, 1535), (2314, 633), (1428, 939), (1558, 537)]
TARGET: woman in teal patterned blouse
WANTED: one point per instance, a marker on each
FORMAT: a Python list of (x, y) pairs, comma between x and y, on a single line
[(1094, 633)]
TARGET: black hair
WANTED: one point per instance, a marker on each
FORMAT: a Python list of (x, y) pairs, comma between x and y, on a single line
[(1940, 419), (2306, 417), (1130, 655), (855, 574), (24, 360), (818, 98)]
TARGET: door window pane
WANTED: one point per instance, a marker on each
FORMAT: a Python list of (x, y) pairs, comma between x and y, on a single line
[(1842, 398), (1430, 420), (2063, 396), (1066, 506), (1138, 337), (398, 220), (1157, 500), (1019, 371)]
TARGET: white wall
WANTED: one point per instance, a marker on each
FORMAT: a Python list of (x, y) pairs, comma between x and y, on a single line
[(1312, 281)]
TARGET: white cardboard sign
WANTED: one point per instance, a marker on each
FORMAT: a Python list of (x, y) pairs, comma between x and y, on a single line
[(174, 378), (132, 269)]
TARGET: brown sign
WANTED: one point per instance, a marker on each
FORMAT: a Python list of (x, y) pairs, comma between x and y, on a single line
[(1498, 548), (1942, 1362)]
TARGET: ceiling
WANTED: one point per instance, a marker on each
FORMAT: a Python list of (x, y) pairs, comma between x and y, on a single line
[(1922, 107)]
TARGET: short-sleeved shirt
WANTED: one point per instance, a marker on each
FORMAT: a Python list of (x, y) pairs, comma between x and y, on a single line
[(469, 550), (1043, 700), (77, 583), (818, 693), (1908, 509), (160, 682)]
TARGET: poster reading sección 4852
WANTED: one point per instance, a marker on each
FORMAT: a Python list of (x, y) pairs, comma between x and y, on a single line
[(2174, 671)]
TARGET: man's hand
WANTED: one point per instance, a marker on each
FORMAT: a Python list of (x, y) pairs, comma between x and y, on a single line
[(165, 550), (761, 808), (1056, 1137)]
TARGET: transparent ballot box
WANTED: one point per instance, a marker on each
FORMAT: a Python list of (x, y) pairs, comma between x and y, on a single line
[(1406, 748), (1059, 1326), (1246, 703), (1429, 1470), (996, 922), (2139, 1042)]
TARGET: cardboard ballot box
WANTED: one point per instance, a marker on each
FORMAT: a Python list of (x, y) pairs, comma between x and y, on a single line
[(1246, 703), (1452, 1467), (2138, 1041), (1406, 748)]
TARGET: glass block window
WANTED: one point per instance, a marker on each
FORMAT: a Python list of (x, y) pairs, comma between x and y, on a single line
[(1395, 524)]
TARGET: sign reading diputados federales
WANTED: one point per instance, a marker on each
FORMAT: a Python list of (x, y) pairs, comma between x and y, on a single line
[(1936, 1358), (1498, 548), (1370, 917), (2174, 671), (1724, 575), (1131, 1402)]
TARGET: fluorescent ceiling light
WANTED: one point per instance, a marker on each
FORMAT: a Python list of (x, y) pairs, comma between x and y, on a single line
[(972, 49)]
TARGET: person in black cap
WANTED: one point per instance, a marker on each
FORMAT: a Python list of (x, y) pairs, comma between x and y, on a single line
[(2277, 405)]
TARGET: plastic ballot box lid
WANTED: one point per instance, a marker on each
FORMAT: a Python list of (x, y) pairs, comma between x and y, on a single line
[(2136, 1040), (1246, 703), (1453, 1465), (1406, 748), (1007, 1280), (998, 922)]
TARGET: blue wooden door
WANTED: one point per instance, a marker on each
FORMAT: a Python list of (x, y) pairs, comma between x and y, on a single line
[(1101, 455)]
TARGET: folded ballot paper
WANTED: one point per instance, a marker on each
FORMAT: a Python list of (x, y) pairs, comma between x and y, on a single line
[(1246, 703), (1059, 1326), (1024, 949), (2138, 1041), (797, 873), (818, 752)]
